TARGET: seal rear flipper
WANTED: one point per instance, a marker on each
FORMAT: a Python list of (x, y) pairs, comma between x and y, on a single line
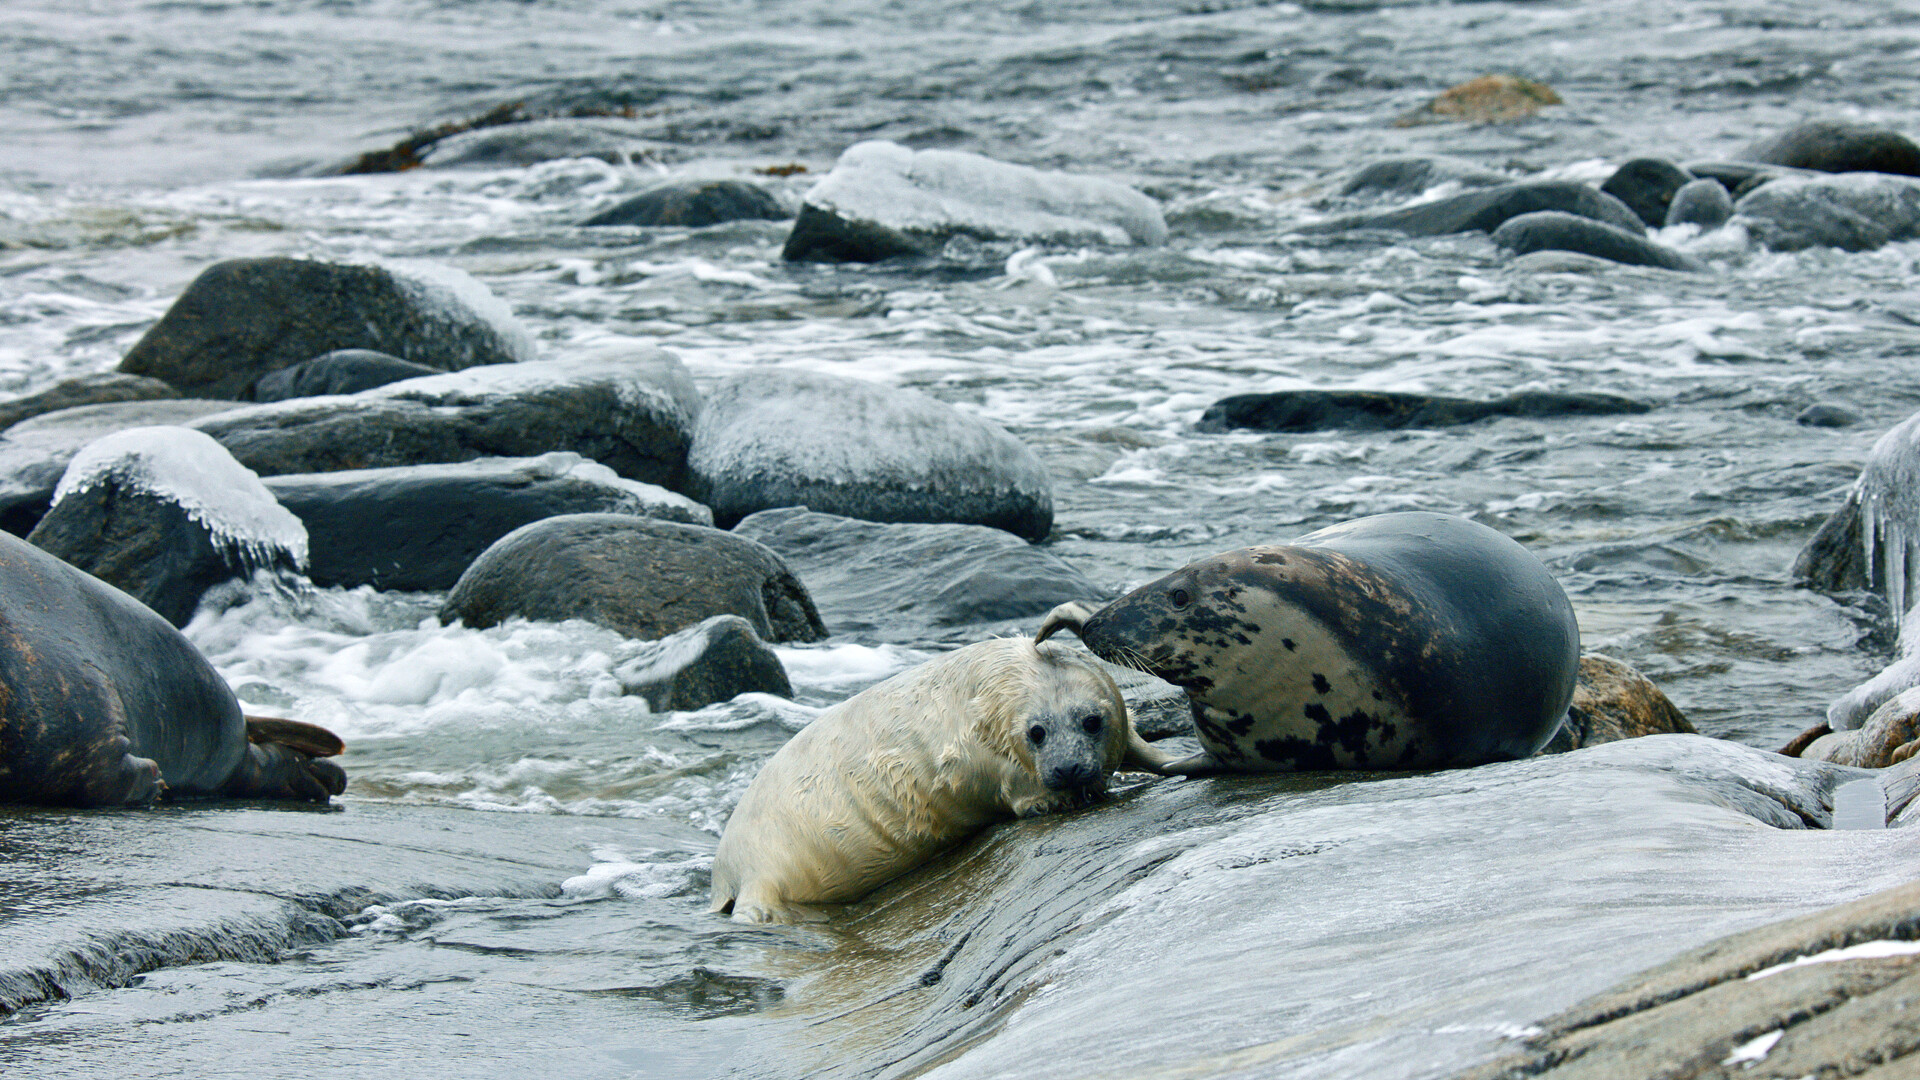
[(1071, 615), (1143, 756), (310, 739), (277, 771), (1200, 764), (1805, 739)]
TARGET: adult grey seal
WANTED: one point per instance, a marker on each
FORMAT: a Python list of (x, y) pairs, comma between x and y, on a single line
[(1402, 641), (104, 703)]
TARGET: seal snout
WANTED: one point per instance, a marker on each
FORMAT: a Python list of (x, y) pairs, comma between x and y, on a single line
[(1071, 775)]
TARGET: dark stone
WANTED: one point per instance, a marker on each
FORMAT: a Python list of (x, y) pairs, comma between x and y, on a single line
[(99, 389), (34, 453), (1612, 701), (1740, 177), (633, 414), (773, 438), (1835, 560), (419, 527), (716, 660), (1552, 230), (898, 582), (1647, 186), (342, 371), (1857, 211), (530, 142), (1700, 202), (1486, 209), (824, 236), (1839, 146), (1413, 175), (642, 578), (1827, 416), (243, 318), (1378, 410), (693, 205)]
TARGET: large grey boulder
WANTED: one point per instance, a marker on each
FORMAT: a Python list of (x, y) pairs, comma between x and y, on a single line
[(642, 578), (243, 318), (694, 204), (902, 582), (1555, 230), (1855, 211), (165, 513), (1839, 146), (1485, 209), (419, 527), (883, 199), (842, 446), (632, 412), (34, 453)]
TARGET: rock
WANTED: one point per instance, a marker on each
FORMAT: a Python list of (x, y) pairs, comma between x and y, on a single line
[(34, 453), (897, 582), (243, 318), (1484, 210), (772, 438), (1838, 146), (1413, 175), (1489, 99), (1834, 560), (694, 204), (419, 527), (1379, 410), (642, 578), (1700, 202), (1889, 736), (342, 371), (1740, 177), (1612, 701), (715, 660), (163, 514), (1647, 186), (1552, 230), (882, 200), (1856, 211), (1824, 415), (530, 142), (632, 412), (99, 389)]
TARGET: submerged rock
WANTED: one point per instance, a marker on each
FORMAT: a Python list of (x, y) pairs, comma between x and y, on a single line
[(772, 438), (1647, 186), (99, 389), (883, 200), (163, 514), (1553, 230), (342, 371), (1484, 210), (1839, 146), (1612, 701), (1856, 211), (419, 527), (243, 318), (716, 660), (1700, 202), (1825, 415), (902, 581), (530, 142), (1415, 174), (694, 204), (34, 453), (642, 578), (632, 412), (1489, 99), (1381, 410)]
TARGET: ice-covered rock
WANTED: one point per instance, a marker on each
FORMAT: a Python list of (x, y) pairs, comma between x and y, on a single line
[(715, 660), (694, 204), (1886, 737), (631, 411), (165, 513), (1855, 211), (97, 389), (902, 582), (1839, 146), (419, 527), (883, 199), (243, 318), (35, 453), (1485, 209), (342, 371), (643, 578), (1554, 230), (772, 438)]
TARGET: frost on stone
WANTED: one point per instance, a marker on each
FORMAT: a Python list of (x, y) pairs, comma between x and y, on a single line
[(638, 497), (1887, 499), (189, 469), (448, 301), (646, 380), (941, 192)]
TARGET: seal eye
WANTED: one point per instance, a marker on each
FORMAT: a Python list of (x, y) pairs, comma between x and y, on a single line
[(1180, 598), (1091, 724), (1036, 734)]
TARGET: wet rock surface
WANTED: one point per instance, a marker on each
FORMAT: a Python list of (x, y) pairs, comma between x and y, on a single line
[(1849, 211), (1376, 410), (99, 389), (694, 205), (1485, 209), (715, 660), (1552, 230), (1648, 187), (1612, 701), (1839, 146), (343, 371)]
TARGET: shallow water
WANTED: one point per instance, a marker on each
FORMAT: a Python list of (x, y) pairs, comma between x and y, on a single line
[(148, 139)]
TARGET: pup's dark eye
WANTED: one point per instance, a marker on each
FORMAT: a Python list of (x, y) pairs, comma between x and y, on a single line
[(1036, 734), (1091, 725), (1180, 598)]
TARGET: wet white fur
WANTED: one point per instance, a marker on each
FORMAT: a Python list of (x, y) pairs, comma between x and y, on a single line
[(884, 780)]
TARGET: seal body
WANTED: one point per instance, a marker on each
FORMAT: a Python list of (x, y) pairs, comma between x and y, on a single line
[(104, 703), (1402, 641), (882, 781)]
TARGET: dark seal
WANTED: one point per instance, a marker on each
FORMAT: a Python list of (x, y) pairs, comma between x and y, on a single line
[(104, 703), (1402, 641)]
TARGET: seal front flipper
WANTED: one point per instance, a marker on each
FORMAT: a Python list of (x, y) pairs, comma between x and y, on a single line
[(1071, 615)]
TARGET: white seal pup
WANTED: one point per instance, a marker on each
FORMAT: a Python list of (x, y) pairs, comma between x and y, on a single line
[(882, 781)]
